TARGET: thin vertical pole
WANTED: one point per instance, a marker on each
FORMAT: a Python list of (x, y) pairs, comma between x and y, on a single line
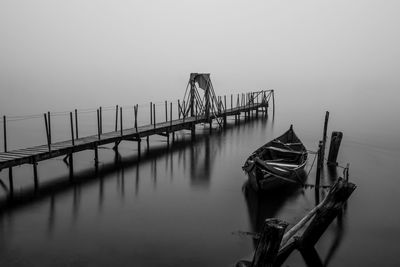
[(325, 130), (135, 112), (76, 124), (179, 110), (154, 115), (120, 117), (184, 115), (319, 164), (47, 131), (151, 113), (98, 124), (116, 118), (166, 111), (5, 133), (231, 101), (72, 128), (225, 103), (49, 121), (170, 113), (96, 156), (273, 103), (101, 120)]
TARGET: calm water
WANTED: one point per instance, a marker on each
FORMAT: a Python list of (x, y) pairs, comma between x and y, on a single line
[(186, 206)]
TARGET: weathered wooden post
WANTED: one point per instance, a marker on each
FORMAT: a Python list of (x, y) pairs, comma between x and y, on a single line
[(336, 140), (96, 156), (139, 147), (319, 167), (76, 124), (268, 244), (151, 113), (166, 111)]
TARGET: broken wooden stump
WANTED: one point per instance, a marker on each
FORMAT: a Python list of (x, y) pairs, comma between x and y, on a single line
[(336, 139)]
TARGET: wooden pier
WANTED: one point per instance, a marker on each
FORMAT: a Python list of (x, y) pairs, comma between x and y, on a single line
[(194, 109)]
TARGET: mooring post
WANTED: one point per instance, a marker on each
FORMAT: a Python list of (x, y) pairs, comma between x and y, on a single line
[(231, 102), (72, 128), (120, 118), (269, 243), (47, 132), (76, 125), (336, 139), (10, 171), (35, 175), (116, 117)]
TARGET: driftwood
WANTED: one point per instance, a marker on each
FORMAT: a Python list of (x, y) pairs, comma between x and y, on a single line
[(319, 219)]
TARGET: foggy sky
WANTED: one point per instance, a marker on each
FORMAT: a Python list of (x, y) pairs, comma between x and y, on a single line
[(61, 55)]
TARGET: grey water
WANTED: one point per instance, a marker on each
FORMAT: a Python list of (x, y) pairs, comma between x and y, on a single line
[(186, 206)]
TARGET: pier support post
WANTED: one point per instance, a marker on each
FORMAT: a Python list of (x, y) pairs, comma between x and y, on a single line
[(35, 175), (71, 166), (11, 181), (96, 156), (148, 143), (139, 147), (336, 139), (193, 131)]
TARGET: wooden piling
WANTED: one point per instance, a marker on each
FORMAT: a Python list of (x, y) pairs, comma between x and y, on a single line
[(336, 139), (72, 128), (269, 243), (139, 141), (166, 111), (273, 102), (35, 175), (151, 113), (96, 156), (71, 166)]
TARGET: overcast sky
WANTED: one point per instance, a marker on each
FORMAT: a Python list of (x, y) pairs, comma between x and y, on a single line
[(58, 54)]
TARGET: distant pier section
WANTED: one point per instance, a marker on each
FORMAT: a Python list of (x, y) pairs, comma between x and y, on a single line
[(200, 105)]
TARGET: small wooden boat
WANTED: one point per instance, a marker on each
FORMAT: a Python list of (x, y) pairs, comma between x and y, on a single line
[(277, 163)]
